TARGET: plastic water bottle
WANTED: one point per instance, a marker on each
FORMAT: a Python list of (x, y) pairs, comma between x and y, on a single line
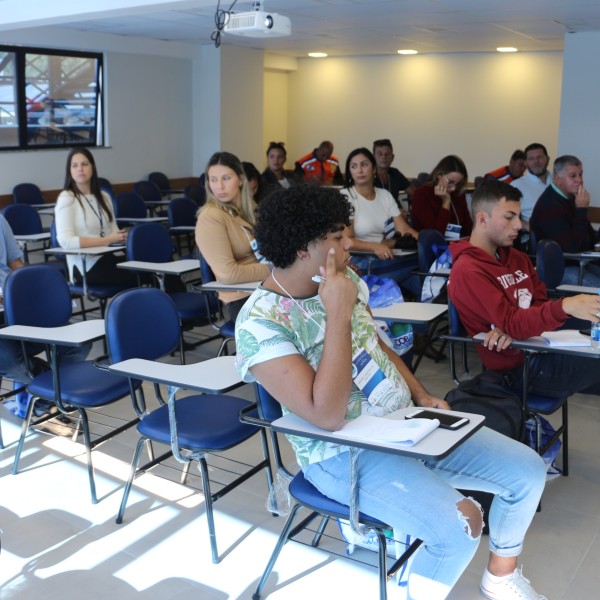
[(595, 335)]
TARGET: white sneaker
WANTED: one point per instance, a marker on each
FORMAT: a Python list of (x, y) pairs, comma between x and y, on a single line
[(510, 587)]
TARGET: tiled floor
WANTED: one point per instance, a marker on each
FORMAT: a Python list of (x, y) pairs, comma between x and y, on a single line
[(57, 545)]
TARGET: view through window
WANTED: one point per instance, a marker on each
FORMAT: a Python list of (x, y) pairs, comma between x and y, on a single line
[(50, 98)]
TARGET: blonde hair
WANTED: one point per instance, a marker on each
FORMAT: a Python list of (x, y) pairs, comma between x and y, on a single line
[(247, 204)]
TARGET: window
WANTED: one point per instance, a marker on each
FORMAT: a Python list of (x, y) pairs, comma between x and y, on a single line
[(49, 98)]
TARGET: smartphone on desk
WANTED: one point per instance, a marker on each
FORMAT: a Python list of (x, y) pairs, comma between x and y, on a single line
[(447, 419)]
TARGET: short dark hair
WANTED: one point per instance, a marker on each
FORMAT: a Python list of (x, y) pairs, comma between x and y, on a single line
[(289, 219), (489, 193), (536, 146), (381, 143), (518, 155), (567, 160)]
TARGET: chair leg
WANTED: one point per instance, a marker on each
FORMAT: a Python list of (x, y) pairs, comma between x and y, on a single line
[(132, 472), (283, 538), (320, 531), (382, 564), (184, 472), (209, 510), (24, 429), (85, 428)]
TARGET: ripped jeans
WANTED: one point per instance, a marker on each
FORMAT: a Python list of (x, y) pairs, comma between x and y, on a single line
[(418, 497)]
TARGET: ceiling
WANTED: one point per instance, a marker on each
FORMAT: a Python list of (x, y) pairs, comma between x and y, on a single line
[(338, 27)]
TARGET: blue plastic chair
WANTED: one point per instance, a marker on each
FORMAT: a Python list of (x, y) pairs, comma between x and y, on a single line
[(226, 329), (151, 242), (182, 212), (23, 220), (75, 387), (129, 205), (204, 423), (306, 495), (27, 193)]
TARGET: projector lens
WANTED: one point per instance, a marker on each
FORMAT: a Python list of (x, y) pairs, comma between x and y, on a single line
[(269, 22)]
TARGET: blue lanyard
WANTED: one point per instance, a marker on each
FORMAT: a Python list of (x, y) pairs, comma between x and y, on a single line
[(97, 212)]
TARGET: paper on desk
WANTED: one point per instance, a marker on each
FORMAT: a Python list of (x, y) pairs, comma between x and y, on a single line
[(378, 429), (566, 337)]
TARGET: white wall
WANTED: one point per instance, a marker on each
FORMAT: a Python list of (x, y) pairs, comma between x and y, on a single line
[(479, 106), (275, 113), (149, 112), (579, 132)]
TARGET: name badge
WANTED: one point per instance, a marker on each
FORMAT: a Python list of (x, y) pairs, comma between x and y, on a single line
[(452, 231), (369, 378)]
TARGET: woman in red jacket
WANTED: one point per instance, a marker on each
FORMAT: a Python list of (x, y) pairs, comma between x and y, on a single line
[(440, 202)]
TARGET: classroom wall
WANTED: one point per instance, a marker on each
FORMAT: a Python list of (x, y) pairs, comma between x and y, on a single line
[(479, 106), (171, 105), (579, 132), (149, 111)]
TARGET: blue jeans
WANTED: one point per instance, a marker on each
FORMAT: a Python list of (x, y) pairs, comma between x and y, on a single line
[(12, 361), (418, 497)]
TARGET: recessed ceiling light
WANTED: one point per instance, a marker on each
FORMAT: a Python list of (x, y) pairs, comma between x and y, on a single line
[(506, 49), (317, 54), (407, 51)]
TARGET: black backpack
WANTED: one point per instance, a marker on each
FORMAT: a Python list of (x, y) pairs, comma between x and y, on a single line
[(491, 394)]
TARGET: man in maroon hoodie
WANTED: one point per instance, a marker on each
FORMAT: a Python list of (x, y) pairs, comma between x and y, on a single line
[(496, 290)]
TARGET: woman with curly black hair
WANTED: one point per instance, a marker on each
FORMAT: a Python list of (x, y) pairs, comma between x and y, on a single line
[(298, 335)]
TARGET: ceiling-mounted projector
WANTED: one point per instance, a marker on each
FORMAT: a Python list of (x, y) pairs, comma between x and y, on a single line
[(258, 23)]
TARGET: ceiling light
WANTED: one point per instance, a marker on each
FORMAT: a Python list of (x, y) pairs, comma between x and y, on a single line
[(317, 54), (407, 51), (506, 49)]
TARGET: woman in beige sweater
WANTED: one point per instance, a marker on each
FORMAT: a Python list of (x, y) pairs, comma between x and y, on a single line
[(225, 229)]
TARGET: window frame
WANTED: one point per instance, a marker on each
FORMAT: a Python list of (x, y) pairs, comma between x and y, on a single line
[(98, 133)]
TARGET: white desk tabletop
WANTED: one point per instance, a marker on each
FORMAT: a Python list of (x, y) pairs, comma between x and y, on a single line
[(213, 376), (73, 334), (85, 251), (396, 252), (33, 237), (578, 289), (538, 343), (438, 444), (410, 312), (186, 228), (588, 255), (142, 219), (217, 286), (176, 267)]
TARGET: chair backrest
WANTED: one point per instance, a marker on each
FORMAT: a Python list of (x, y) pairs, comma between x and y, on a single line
[(149, 191), (141, 323), (160, 180), (23, 219), (182, 211), (38, 296), (130, 204), (455, 326), (268, 407), (149, 242), (550, 263), (106, 186), (207, 273), (195, 192), (431, 244), (27, 193), (533, 242)]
